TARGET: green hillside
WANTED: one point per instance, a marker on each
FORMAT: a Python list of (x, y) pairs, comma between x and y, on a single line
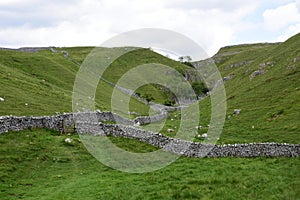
[(263, 81), (269, 102), (42, 82)]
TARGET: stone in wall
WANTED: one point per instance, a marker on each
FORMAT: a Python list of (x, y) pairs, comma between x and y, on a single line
[(88, 123)]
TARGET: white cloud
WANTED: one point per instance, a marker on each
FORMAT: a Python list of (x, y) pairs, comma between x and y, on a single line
[(281, 16), (298, 5), (285, 19), (289, 32), (9, 2), (212, 24)]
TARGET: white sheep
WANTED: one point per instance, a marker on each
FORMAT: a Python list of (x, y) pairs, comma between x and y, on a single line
[(68, 140)]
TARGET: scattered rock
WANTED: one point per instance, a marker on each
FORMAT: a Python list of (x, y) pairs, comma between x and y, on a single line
[(132, 113), (265, 64), (236, 111), (296, 59), (170, 130), (238, 64), (257, 73), (2, 99), (204, 135), (291, 67), (227, 78), (262, 65), (198, 127)]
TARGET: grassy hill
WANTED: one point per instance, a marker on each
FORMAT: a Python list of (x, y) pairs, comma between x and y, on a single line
[(38, 164), (269, 102), (39, 83)]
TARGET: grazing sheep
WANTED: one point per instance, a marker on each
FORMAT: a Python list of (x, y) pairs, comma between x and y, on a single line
[(170, 130), (68, 140)]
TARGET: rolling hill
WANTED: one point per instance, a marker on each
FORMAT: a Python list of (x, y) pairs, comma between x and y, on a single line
[(41, 83), (261, 80)]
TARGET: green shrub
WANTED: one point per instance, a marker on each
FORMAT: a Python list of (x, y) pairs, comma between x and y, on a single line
[(199, 88)]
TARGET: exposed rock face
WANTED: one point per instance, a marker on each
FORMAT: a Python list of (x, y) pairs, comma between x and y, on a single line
[(240, 64), (257, 73), (262, 69)]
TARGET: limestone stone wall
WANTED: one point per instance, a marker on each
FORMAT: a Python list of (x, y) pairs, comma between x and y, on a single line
[(90, 123), (65, 122), (194, 149)]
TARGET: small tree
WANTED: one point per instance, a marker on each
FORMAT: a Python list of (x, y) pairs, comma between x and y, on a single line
[(148, 97), (188, 58), (184, 59), (180, 59)]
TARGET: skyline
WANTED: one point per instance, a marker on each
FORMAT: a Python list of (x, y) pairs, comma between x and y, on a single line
[(212, 24)]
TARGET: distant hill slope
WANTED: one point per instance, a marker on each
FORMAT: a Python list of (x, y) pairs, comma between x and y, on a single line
[(41, 82), (263, 81)]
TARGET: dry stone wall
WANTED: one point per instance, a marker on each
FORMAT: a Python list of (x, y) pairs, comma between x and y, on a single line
[(193, 149), (90, 123), (65, 122)]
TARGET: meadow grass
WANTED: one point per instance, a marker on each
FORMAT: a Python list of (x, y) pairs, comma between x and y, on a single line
[(38, 164)]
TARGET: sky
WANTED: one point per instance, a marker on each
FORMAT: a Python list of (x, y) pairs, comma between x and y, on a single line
[(212, 24)]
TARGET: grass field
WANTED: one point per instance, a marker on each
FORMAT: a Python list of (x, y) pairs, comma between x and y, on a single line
[(37, 164)]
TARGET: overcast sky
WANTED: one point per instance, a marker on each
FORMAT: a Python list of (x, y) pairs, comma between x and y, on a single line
[(212, 24)]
